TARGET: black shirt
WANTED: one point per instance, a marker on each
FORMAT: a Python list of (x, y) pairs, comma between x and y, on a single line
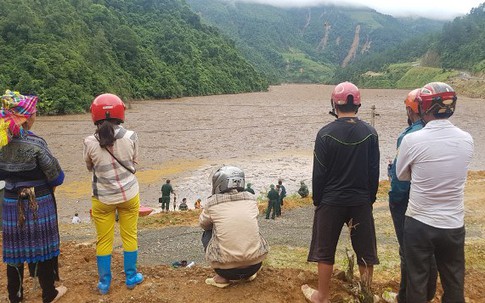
[(346, 163)]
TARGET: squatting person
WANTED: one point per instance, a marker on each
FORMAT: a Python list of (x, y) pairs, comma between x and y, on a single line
[(233, 244)]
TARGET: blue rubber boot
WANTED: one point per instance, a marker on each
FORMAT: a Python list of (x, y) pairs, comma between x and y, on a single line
[(104, 272), (133, 278)]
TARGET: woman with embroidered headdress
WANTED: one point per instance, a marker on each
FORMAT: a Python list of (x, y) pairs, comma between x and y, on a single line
[(29, 222)]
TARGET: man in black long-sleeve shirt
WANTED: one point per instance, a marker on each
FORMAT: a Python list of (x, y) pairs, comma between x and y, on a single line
[(345, 182)]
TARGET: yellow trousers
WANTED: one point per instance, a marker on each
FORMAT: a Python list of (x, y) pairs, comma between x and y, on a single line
[(104, 218)]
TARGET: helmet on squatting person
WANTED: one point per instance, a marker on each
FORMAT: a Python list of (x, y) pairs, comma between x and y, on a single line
[(437, 98), (107, 106), (227, 178), (345, 93)]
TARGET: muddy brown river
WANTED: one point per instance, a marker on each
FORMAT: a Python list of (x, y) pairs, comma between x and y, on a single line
[(270, 135)]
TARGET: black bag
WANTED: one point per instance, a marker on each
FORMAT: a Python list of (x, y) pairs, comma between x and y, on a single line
[(159, 200)]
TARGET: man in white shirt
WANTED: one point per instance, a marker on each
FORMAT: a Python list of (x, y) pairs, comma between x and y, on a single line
[(435, 160)]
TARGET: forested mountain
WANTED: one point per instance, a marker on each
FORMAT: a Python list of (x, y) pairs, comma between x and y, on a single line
[(460, 45), (68, 51), (307, 44), (462, 42)]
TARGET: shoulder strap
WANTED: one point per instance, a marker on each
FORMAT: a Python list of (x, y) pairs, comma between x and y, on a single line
[(128, 169)]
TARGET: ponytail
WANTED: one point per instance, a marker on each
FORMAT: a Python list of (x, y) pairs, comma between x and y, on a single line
[(106, 133)]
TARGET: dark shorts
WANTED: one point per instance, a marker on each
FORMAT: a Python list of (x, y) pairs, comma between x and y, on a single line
[(238, 273), (327, 226), (231, 273)]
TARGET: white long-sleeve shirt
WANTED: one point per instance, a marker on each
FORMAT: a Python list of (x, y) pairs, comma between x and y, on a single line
[(435, 160)]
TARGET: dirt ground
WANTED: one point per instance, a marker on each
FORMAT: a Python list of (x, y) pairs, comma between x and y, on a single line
[(270, 135)]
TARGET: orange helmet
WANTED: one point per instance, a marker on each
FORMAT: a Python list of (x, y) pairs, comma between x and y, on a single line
[(411, 101), (107, 106), (438, 98), (345, 93)]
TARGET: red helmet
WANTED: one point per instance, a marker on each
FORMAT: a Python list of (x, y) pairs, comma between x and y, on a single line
[(107, 106), (437, 98), (342, 92), (411, 101)]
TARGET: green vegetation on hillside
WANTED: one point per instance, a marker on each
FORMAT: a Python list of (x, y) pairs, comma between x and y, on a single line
[(426, 58), (68, 51), (322, 35), (405, 76), (462, 43)]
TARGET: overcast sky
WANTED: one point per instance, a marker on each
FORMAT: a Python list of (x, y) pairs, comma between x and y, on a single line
[(433, 9)]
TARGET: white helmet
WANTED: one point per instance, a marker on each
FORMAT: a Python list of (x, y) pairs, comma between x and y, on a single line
[(227, 178)]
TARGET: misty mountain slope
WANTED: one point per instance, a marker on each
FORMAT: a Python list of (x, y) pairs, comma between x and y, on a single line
[(307, 44)]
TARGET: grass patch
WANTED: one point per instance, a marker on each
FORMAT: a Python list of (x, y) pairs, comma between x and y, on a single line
[(418, 76), (289, 257), (300, 68), (366, 18), (474, 252), (173, 218), (290, 202)]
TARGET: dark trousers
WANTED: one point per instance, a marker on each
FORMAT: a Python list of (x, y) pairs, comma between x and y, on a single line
[(278, 206), (272, 205), (46, 272), (398, 210), (421, 242), (238, 273), (165, 201), (231, 273)]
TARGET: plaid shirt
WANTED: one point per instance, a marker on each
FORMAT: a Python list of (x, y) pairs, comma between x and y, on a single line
[(112, 183)]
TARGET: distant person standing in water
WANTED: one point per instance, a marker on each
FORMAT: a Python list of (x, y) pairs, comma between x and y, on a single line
[(111, 154)]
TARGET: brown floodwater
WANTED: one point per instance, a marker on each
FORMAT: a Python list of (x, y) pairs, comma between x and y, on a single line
[(270, 135)]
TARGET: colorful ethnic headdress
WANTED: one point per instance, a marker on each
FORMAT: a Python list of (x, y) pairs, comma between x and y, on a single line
[(16, 109)]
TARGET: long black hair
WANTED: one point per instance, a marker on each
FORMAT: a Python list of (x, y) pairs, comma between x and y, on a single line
[(106, 132)]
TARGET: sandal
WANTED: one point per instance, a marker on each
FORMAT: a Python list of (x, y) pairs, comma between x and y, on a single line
[(249, 279), (211, 281), (61, 290), (308, 292)]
